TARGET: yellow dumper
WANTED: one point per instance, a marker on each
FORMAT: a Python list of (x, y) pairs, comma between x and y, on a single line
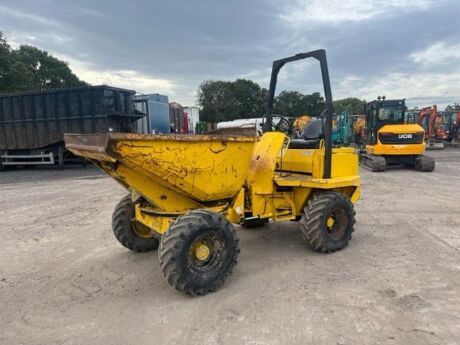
[(187, 190)]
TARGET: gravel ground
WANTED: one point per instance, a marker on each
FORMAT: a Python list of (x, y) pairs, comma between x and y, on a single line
[(65, 280)]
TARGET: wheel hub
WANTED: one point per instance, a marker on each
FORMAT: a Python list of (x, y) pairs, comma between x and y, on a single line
[(337, 223), (141, 230), (201, 251)]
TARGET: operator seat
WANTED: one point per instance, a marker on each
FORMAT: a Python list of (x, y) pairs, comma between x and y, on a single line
[(311, 136)]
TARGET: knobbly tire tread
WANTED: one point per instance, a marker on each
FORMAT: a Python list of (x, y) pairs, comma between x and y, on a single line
[(174, 248), (122, 228), (313, 222)]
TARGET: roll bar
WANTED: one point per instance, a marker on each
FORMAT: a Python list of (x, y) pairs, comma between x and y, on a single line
[(319, 55)]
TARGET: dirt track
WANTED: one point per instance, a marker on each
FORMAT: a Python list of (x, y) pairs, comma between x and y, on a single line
[(65, 280)]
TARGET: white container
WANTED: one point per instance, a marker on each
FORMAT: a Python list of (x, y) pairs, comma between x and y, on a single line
[(194, 117), (242, 123)]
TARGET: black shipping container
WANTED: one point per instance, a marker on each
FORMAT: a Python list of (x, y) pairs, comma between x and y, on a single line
[(37, 119)]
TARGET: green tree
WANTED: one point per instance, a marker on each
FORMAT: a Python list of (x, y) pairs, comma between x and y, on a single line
[(5, 63), (214, 100), (29, 68), (294, 104), (242, 99), (314, 104), (289, 103), (351, 105), (250, 99), (48, 72), (224, 101), (19, 78)]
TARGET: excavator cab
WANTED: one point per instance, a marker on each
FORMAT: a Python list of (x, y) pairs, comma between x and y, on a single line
[(391, 141), (383, 112)]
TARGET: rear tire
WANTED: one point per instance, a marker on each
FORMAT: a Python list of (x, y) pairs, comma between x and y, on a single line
[(328, 220), (131, 234), (198, 252)]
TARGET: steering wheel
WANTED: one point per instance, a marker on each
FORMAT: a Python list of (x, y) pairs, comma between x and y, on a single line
[(282, 125)]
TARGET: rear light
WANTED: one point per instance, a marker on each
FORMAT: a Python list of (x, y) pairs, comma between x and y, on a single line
[(385, 134)]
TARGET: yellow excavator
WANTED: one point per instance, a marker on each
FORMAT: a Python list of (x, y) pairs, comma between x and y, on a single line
[(390, 141)]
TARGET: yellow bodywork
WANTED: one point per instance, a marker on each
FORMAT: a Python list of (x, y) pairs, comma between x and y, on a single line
[(398, 149), (238, 176)]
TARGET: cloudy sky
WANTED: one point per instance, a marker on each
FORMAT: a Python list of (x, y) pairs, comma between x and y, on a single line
[(402, 49)]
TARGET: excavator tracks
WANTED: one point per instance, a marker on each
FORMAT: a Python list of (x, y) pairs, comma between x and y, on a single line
[(373, 162), (424, 163), (378, 163)]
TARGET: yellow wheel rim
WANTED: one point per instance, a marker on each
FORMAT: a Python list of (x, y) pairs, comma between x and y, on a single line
[(141, 230), (330, 222), (201, 251)]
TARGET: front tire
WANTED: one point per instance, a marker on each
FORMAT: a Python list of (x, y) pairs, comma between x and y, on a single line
[(198, 252), (328, 220), (131, 234)]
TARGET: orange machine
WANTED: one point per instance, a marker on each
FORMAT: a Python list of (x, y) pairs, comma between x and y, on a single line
[(300, 123), (359, 128), (435, 135)]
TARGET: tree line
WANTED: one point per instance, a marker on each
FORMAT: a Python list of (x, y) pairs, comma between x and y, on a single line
[(29, 68), (244, 99)]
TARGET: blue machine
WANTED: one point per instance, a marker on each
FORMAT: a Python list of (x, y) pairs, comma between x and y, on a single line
[(156, 107), (342, 131)]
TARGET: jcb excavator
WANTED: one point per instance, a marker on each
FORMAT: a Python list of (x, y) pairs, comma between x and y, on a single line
[(389, 141)]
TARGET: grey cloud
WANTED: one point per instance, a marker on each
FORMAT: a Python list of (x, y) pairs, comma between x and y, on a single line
[(189, 41)]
